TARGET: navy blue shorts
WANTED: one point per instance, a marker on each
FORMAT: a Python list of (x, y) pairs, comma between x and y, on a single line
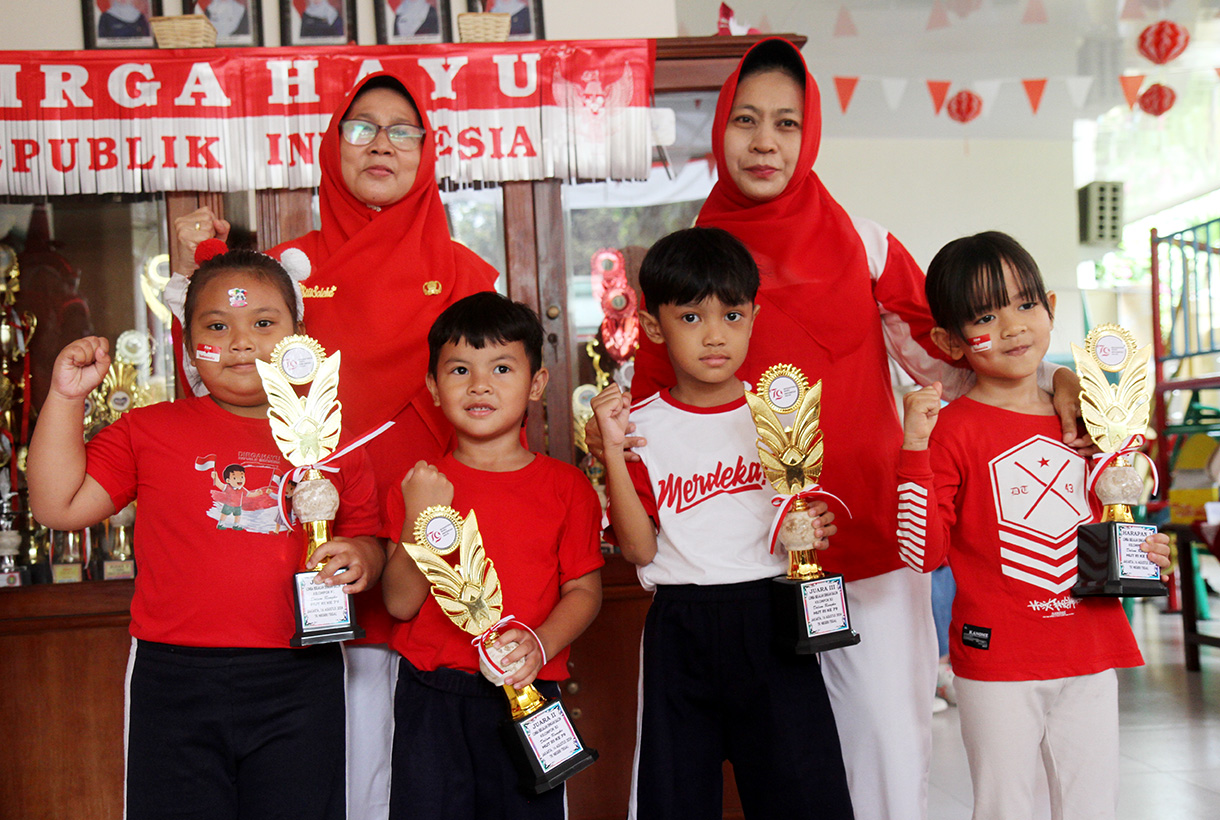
[(240, 734), (450, 762), (715, 688)]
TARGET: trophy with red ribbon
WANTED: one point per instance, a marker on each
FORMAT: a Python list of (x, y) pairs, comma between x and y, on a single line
[(306, 429), (1109, 560), (540, 736), (809, 604)]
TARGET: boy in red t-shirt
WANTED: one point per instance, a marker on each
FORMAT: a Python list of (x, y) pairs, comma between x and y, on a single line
[(540, 521), (993, 488)]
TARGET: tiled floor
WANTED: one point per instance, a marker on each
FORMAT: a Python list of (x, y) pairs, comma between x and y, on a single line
[(1169, 732)]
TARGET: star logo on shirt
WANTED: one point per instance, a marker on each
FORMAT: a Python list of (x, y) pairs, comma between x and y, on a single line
[(1042, 462)]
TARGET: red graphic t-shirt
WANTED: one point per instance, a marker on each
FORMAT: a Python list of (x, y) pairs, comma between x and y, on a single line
[(209, 577)]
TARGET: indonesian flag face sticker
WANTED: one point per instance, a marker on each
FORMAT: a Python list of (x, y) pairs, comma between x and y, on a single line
[(980, 344), (207, 353)]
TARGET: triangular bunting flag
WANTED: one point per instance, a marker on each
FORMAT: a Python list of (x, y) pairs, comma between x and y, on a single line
[(939, 18), (987, 90), (1033, 90), (939, 89), (894, 88), (1078, 89), (1035, 12), (845, 26), (1131, 87), (845, 87), (1132, 10)]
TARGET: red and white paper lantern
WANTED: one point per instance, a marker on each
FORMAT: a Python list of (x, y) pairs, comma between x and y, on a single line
[(1163, 41), (1157, 99), (964, 106)]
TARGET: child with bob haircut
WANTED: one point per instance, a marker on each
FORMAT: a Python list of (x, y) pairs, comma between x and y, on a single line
[(540, 522), (988, 483), (693, 515), (221, 711)]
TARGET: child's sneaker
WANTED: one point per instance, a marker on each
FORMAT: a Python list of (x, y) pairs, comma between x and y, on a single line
[(944, 685)]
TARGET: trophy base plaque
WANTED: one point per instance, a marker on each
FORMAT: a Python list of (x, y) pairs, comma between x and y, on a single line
[(546, 748), (324, 613), (19, 577), (1109, 562), (67, 573), (118, 570), (811, 616)]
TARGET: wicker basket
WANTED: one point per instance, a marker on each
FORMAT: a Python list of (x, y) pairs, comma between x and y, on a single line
[(184, 31), (483, 27)]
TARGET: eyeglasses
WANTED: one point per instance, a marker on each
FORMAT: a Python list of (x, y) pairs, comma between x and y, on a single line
[(401, 135)]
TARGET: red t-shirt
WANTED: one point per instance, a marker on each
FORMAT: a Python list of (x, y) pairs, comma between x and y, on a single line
[(540, 528), (204, 578), (1000, 496)]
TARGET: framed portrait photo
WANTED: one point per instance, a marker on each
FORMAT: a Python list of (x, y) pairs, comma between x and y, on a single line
[(526, 21), (412, 21), (119, 23), (317, 22), (237, 22)]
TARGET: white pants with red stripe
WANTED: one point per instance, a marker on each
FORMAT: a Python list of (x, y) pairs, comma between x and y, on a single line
[(1068, 726), (881, 691)]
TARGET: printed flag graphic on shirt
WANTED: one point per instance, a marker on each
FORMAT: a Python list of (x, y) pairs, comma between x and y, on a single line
[(206, 464)]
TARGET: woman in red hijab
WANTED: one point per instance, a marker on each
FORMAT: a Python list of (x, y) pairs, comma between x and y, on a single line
[(383, 268), (839, 298)]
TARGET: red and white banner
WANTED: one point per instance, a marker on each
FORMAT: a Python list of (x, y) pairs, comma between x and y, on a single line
[(238, 119)]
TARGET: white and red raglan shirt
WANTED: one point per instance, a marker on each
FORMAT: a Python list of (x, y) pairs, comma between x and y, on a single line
[(701, 482), (1000, 496)]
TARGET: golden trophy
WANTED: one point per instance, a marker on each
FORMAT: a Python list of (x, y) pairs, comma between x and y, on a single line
[(122, 388), (1109, 560), (68, 548), (119, 559), (809, 604), (540, 736), (306, 429)]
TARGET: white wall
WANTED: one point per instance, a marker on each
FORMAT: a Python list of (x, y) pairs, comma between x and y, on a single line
[(928, 192), (35, 25), (925, 191)]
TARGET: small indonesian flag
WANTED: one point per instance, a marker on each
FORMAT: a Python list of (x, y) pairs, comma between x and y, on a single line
[(207, 353), (206, 463)]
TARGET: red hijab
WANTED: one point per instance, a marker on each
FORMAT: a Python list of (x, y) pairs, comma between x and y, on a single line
[(394, 269), (808, 252)]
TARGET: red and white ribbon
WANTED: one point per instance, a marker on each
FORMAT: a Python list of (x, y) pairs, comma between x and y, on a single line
[(1130, 447), (785, 501), (322, 465), (478, 642)]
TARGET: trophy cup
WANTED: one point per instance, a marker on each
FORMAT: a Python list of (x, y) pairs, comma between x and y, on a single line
[(540, 736), (122, 388), (809, 604), (12, 574), (1109, 560), (306, 429), (119, 562), (68, 556)]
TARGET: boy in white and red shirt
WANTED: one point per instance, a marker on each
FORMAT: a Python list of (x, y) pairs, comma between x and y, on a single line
[(987, 483), (694, 514)]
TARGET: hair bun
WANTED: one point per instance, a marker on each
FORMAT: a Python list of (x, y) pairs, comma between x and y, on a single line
[(208, 248), (296, 264)]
